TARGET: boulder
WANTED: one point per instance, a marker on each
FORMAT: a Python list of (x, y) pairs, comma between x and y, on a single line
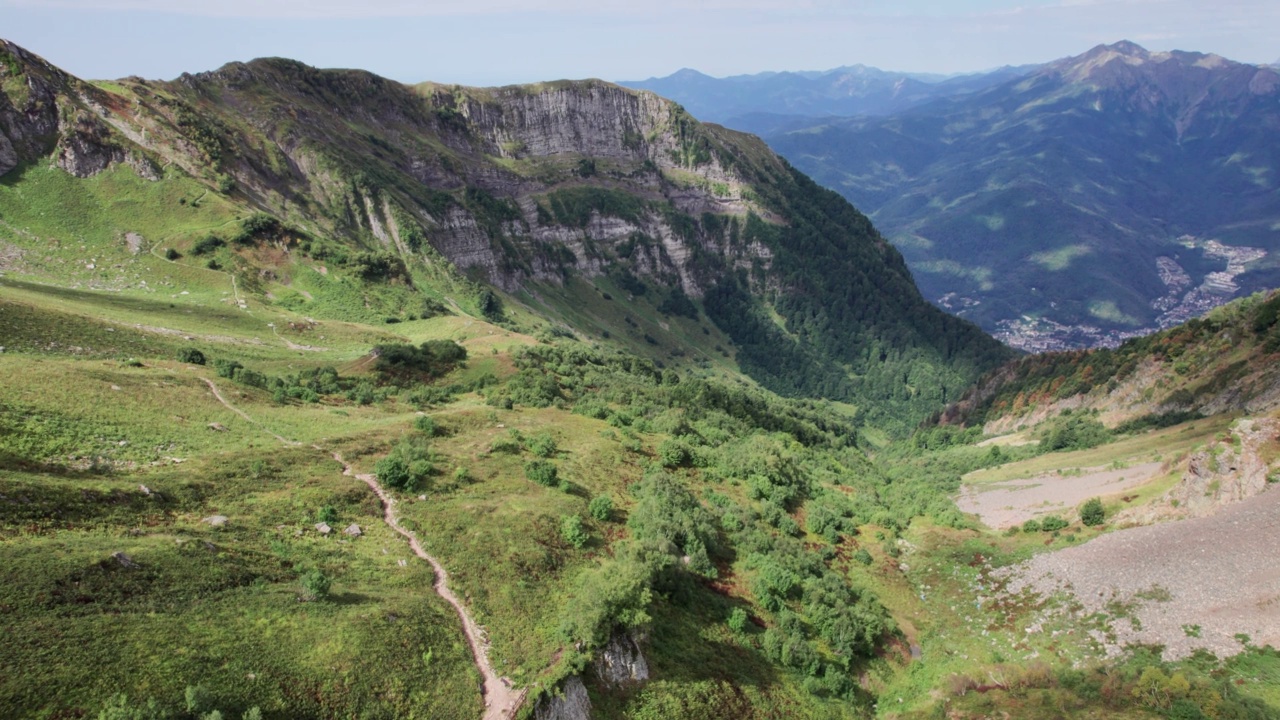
[(570, 703), (353, 530), (216, 520), (323, 528), (124, 560), (621, 661)]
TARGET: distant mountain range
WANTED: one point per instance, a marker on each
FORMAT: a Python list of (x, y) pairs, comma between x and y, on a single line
[(760, 102), (1095, 198)]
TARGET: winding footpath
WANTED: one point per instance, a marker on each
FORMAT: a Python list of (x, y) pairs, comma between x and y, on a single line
[(501, 700)]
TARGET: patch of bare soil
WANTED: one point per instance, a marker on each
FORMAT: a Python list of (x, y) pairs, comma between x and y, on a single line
[(1005, 504), (1187, 584)]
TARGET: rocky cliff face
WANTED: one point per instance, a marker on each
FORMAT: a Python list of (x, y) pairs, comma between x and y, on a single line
[(43, 110), (621, 662), (1233, 469), (571, 703)]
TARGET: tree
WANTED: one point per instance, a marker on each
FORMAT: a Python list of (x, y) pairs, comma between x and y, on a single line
[(1092, 512)]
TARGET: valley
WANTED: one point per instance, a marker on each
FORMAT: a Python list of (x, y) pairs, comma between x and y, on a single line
[(1052, 207), (327, 396)]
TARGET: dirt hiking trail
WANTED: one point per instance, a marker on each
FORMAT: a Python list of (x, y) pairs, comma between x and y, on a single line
[(501, 700)]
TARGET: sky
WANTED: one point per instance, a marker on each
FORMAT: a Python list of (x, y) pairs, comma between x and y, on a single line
[(492, 42)]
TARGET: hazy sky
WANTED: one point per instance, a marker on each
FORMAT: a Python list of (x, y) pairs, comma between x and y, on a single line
[(507, 41)]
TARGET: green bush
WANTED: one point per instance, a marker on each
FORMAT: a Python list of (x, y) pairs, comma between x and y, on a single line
[(1092, 512), (862, 556), (426, 425), (542, 445), (542, 472), (601, 507), (226, 368), (207, 244), (737, 620), (573, 532), (1075, 432), (191, 356), (408, 467), (1053, 523), (1031, 526), (400, 363), (315, 585), (673, 453)]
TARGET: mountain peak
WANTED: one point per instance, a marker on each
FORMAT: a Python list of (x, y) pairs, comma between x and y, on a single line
[(687, 74), (1127, 48)]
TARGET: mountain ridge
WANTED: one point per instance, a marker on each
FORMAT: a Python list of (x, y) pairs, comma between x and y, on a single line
[(1150, 171), (523, 186), (846, 90)]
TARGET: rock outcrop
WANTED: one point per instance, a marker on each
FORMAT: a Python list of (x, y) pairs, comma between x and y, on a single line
[(570, 703), (621, 662), (1233, 469)]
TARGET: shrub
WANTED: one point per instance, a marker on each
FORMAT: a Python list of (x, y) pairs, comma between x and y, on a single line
[(198, 698), (573, 532), (673, 453), (226, 368), (541, 472), (426, 425), (399, 362), (408, 466), (1092, 513), (315, 585), (207, 244), (1031, 525), (171, 254), (601, 507), (1053, 523), (258, 226), (191, 356), (862, 556), (738, 620), (542, 445)]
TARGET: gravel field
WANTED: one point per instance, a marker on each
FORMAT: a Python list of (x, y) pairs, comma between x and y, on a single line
[(1220, 573), (1004, 504)]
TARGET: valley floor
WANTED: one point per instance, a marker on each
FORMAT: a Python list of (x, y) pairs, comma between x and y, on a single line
[(1188, 584)]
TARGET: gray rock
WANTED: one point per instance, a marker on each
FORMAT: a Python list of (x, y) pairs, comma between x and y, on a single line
[(125, 560), (570, 703), (216, 520), (8, 155), (323, 528), (621, 661), (353, 530)]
